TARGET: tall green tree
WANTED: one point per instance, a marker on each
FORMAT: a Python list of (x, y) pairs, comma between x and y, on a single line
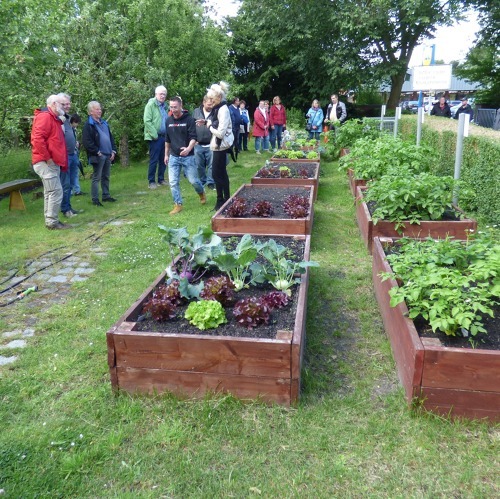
[(482, 63), (340, 44)]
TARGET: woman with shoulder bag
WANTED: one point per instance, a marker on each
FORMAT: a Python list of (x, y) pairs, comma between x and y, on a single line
[(219, 124), (314, 120)]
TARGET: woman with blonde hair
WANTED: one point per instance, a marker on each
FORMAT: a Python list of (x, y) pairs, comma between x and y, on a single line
[(277, 122), (314, 120), (220, 125)]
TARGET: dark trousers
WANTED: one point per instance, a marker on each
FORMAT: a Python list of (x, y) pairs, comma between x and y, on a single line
[(220, 176), (236, 142), (243, 141), (101, 174), (157, 158)]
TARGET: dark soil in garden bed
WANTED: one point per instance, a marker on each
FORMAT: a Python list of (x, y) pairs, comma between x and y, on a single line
[(490, 341), (275, 195), (307, 170), (281, 319)]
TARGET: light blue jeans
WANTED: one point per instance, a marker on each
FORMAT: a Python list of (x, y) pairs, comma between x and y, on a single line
[(74, 173), (262, 141), (203, 157), (175, 166)]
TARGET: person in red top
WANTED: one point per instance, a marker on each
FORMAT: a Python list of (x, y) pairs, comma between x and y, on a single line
[(261, 128), (277, 122), (49, 157)]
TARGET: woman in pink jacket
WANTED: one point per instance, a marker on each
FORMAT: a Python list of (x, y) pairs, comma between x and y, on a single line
[(261, 128)]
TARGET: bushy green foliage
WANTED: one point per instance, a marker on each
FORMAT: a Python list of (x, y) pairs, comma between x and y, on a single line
[(448, 282), (346, 135), (205, 314), (480, 172), (410, 197)]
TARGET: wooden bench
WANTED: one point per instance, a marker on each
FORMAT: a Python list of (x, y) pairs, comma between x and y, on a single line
[(14, 188)]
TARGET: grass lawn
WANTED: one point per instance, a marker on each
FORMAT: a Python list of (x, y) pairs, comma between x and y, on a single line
[(63, 433)]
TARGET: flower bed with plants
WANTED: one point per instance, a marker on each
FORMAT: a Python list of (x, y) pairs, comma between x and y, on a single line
[(264, 209), (227, 315), (437, 300), (414, 206), (287, 173), (301, 144), (295, 156)]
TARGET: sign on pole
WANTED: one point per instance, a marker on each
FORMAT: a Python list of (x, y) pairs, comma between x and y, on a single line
[(437, 77)]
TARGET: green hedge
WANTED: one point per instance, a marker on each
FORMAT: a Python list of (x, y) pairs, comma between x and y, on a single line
[(480, 164)]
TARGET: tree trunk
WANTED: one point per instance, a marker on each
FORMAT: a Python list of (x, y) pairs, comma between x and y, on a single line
[(124, 152), (397, 81)]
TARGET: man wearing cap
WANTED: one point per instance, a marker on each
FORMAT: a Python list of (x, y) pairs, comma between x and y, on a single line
[(465, 108), (155, 117)]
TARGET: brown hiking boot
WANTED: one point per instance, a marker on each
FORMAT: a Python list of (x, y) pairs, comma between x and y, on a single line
[(203, 198), (177, 209)]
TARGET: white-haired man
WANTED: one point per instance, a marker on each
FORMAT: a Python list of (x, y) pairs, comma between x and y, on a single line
[(155, 117), (49, 157)]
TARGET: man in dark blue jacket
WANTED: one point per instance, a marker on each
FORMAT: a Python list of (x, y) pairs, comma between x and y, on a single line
[(237, 120)]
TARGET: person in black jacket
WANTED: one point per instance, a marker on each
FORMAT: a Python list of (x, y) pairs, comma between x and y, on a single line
[(441, 108), (180, 140), (465, 108), (237, 121), (101, 151)]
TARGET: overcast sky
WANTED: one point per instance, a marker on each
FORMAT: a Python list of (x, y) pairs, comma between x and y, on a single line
[(452, 43)]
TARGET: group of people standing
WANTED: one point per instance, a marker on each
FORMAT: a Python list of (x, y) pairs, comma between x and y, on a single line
[(334, 115), (269, 124), (55, 157)]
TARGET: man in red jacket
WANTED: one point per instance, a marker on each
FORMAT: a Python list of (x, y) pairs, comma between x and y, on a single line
[(49, 157)]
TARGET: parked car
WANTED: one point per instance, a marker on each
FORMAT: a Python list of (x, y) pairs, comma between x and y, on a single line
[(412, 106)]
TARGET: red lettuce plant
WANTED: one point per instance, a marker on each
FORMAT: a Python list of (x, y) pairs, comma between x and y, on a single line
[(275, 299), (262, 209), (296, 206), (163, 304), (238, 208), (218, 288), (251, 312), (303, 173), (267, 172), (285, 172)]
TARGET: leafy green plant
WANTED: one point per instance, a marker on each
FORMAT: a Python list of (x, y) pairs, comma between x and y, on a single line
[(279, 271), (449, 283), (312, 155), (252, 312), (290, 154), (405, 197), (348, 133), (205, 314), (285, 171), (240, 264), (371, 158)]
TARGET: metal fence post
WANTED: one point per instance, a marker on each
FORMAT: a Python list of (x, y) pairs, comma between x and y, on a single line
[(420, 120), (397, 116), (463, 121), (382, 114)]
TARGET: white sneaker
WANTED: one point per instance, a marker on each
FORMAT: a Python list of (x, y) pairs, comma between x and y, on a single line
[(69, 214), (153, 185), (258, 152), (275, 150)]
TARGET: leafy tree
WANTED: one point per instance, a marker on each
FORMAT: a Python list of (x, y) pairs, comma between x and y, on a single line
[(331, 46), (482, 63)]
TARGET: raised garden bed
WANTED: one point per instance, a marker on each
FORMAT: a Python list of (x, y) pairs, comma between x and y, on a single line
[(354, 182), (461, 382), (191, 365), (288, 160), (438, 229), (279, 223), (311, 169)]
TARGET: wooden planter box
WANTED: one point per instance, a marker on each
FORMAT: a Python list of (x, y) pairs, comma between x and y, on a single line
[(437, 229), (292, 182), (354, 182), (192, 365), (448, 381), (258, 225), (301, 160), (344, 151)]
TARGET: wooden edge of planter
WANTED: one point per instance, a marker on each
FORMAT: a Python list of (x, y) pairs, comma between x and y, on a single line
[(291, 182), (301, 160), (290, 226), (354, 182), (449, 381), (407, 348), (458, 229)]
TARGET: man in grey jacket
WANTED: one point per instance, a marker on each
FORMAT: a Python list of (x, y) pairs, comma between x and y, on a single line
[(202, 151)]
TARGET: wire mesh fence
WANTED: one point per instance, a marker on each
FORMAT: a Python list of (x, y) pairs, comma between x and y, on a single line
[(488, 118), (387, 123)]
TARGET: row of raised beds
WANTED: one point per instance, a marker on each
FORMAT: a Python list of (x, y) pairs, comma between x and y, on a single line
[(438, 292), (228, 314)]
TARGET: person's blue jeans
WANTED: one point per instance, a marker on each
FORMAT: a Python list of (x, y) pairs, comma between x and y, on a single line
[(262, 142), (157, 158), (243, 141), (314, 134), (203, 156), (74, 173), (276, 134), (175, 166), (66, 186)]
